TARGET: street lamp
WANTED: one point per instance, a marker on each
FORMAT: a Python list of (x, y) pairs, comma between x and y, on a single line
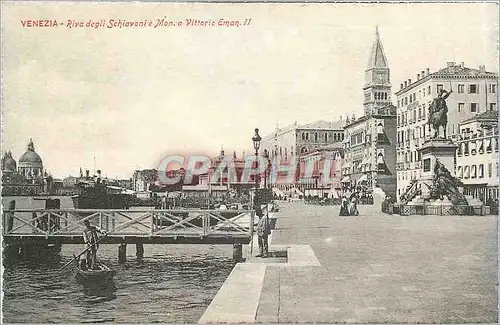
[(256, 145), (266, 155)]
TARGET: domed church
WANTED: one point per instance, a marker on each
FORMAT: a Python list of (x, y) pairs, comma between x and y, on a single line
[(30, 164)]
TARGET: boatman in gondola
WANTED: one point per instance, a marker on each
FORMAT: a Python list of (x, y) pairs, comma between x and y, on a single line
[(90, 237)]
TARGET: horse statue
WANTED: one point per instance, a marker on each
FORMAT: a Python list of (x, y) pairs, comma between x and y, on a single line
[(438, 113)]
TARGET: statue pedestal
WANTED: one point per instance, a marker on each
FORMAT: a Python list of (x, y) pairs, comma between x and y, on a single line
[(431, 151)]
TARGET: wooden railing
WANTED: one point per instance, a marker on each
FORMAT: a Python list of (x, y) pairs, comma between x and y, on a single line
[(138, 223)]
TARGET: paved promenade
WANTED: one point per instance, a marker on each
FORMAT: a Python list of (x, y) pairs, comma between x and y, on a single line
[(372, 268)]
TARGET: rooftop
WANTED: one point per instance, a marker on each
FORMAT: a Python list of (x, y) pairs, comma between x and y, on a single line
[(488, 116)]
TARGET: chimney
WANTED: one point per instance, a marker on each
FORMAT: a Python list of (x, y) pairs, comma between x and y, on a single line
[(418, 76), (422, 73), (401, 85), (462, 65), (406, 84), (409, 82), (87, 173), (427, 72), (482, 68)]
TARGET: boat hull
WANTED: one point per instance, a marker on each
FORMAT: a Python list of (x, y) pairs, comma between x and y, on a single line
[(104, 274), (107, 201)]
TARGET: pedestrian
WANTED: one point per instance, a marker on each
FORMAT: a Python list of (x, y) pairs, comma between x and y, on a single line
[(263, 231), (344, 210), (91, 237)]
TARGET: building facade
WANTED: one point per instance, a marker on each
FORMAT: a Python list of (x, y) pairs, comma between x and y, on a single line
[(286, 145), (296, 140), (320, 171), (477, 156), (473, 91), (369, 140)]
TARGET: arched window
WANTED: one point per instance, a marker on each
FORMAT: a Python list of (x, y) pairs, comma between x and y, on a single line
[(303, 136), (316, 137), (380, 159), (326, 136), (473, 172), (307, 136), (380, 128)]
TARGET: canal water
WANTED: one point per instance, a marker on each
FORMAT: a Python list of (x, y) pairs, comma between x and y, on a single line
[(173, 284)]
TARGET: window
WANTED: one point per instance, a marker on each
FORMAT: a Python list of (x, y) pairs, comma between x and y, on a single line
[(460, 172), (411, 99), (474, 107), (429, 90), (493, 88), (461, 107), (303, 136), (316, 137), (461, 89), (489, 169), (398, 103), (473, 171), (326, 137), (427, 165), (473, 89), (481, 171), (493, 106), (466, 172), (439, 88)]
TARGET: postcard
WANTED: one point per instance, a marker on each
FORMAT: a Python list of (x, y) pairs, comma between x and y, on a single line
[(180, 162)]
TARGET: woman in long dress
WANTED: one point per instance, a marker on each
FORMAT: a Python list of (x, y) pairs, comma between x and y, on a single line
[(353, 205), (344, 211)]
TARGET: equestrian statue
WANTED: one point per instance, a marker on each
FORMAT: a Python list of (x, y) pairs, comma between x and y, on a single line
[(438, 113)]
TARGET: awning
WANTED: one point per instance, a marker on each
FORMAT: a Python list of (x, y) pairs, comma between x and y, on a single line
[(346, 179), (363, 178)]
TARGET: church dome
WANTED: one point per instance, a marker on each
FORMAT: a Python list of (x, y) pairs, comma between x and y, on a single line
[(8, 163), (30, 158)]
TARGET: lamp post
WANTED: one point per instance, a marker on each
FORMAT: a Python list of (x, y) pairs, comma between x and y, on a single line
[(256, 145), (266, 155)]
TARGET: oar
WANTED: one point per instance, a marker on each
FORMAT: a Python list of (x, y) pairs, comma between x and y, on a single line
[(84, 251)]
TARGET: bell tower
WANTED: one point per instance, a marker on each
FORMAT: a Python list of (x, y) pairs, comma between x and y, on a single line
[(377, 89)]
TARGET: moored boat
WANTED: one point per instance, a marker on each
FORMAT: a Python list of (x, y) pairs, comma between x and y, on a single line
[(102, 273)]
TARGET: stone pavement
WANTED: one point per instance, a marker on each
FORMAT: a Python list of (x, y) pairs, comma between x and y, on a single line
[(373, 268), (379, 268)]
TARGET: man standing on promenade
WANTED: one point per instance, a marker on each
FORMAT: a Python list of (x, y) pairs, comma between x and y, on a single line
[(263, 231)]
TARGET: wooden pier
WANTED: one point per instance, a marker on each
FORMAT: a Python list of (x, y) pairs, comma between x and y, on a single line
[(65, 226)]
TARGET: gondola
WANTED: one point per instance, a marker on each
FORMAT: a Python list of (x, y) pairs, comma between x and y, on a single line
[(102, 273)]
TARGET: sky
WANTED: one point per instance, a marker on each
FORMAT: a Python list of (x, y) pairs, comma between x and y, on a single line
[(128, 97)]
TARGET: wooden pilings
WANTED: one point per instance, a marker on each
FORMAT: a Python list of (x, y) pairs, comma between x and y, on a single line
[(139, 251), (122, 253), (237, 252), (9, 216)]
